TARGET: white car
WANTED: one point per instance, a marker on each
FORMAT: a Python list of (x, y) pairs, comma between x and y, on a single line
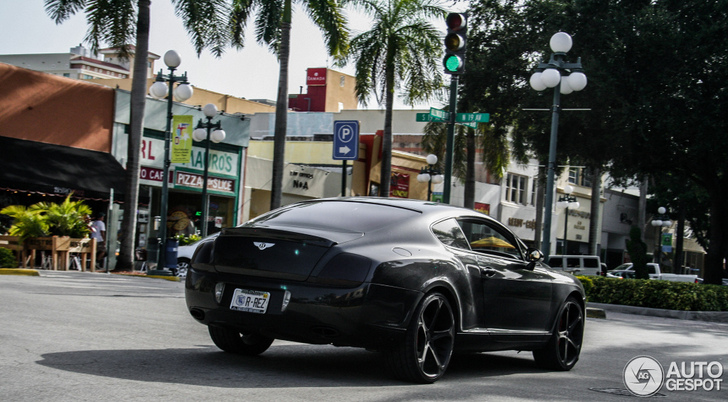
[(184, 255)]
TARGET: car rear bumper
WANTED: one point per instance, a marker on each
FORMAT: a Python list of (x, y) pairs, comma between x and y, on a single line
[(370, 315)]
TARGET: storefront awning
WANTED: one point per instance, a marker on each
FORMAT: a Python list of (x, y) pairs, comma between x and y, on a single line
[(54, 169)]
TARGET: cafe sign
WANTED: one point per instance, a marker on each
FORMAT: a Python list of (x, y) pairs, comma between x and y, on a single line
[(221, 162)]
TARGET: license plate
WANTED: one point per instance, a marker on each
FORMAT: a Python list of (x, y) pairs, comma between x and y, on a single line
[(252, 301)]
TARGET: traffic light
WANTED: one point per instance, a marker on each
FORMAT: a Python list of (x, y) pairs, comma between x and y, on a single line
[(457, 34)]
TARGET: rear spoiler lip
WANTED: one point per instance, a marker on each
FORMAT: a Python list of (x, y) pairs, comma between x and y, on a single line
[(325, 238)]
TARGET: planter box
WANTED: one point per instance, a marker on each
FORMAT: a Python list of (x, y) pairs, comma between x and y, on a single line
[(60, 248), (13, 243)]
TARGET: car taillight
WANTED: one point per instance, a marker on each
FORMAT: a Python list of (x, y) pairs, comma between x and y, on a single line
[(345, 270), (202, 258)]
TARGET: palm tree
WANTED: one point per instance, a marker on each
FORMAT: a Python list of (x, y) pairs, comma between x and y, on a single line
[(119, 23), (401, 51), (273, 28)]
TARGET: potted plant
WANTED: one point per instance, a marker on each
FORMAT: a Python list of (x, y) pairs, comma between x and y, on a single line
[(34, 224)]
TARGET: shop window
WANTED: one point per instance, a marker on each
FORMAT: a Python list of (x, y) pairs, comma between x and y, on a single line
[(580, 177), (516, 186)]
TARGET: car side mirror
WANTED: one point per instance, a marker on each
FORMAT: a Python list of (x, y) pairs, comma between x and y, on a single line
[(533, 255)]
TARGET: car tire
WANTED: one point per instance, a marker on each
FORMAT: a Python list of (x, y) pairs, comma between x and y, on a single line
[(425, 353), (563, 349), (233, 341), (183, 264)]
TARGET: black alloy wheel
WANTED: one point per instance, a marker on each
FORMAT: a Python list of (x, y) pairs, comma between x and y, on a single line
[(425, 354), (233, 341), (564, 347)]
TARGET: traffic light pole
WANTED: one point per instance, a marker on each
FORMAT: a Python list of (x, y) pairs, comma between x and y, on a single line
[(449, 149)]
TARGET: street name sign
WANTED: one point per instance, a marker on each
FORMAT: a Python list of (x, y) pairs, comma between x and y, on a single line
[(427, 117), (346, 140), (439, 114), (472, 117)]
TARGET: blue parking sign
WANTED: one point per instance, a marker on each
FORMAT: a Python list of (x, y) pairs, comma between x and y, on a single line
[(346, 140)]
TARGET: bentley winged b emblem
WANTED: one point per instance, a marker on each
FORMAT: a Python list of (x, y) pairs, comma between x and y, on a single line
[(262, 246)]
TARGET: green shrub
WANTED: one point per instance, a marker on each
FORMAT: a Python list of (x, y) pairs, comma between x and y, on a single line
[(7, 259), (656, 294), (587, 283)]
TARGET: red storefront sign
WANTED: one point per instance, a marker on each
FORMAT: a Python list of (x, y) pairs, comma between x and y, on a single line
[(316, 76), (153, 174), (481, 207), (399, 185)]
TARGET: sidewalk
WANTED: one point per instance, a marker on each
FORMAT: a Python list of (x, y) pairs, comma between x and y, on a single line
[(36, 272), (710, 316)]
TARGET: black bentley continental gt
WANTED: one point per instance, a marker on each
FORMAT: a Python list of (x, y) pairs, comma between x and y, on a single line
[(413, 279)]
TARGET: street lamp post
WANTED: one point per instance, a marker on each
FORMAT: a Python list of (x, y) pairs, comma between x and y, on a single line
[(564, 78), (202, 132), (661, 220), (182, 92), (430, 175), (567, 201)]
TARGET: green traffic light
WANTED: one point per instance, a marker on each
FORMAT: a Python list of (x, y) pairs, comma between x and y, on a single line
[(452, 63)]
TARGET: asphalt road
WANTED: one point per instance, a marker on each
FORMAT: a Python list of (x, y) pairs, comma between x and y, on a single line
[(91, 337)]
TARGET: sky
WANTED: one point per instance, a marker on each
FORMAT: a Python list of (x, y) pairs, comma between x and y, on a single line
[(251, 73)]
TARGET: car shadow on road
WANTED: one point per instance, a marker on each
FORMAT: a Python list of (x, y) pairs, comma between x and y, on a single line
[(288, 365)]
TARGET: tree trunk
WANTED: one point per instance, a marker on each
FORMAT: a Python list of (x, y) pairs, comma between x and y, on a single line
[(595, 216), (540, 194), (677, 265), (642, 207), (469, 196), (125, 261), (715, 260), (279, 139), (386, 167)]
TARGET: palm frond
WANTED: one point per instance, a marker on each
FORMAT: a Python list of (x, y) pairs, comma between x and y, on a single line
[(61, 10), (206, 21)]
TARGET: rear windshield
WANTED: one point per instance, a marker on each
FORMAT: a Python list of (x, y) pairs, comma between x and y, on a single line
[(338, 216)]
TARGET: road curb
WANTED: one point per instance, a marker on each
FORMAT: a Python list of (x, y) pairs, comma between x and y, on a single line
[(19, 271), (592, 312), (165, 277), (709, 316)]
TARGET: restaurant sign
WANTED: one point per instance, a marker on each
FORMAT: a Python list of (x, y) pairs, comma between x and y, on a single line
[(184, 178)]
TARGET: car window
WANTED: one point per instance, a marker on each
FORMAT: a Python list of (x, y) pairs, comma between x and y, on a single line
[(651, 269), (337, 216), (450, 234), (484, 238), (573, 262), (556, 262), (591, 263)]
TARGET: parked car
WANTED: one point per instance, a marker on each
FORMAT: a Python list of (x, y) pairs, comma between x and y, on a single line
[(184, 255), (653, 270), (621, 274), (412, 279), (577, 264)]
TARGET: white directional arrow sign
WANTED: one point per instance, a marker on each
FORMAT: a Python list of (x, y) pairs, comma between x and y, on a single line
[(344, 150)]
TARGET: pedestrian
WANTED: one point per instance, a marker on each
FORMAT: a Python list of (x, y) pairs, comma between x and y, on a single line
[(98, 232)]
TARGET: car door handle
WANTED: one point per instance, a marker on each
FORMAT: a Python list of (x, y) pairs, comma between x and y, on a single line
[(488, 272)]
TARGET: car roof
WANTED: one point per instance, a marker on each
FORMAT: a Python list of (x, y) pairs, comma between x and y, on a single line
[(422, 206)]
